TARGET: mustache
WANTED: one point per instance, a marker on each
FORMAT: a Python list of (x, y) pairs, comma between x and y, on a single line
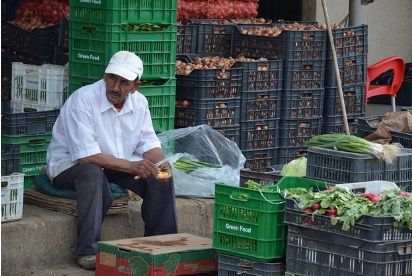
[(114, 92)]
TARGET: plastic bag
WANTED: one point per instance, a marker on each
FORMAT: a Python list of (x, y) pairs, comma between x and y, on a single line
[(202, 143), (296, 167)]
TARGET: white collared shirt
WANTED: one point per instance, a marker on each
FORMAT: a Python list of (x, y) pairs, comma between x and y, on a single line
[(89, 124)]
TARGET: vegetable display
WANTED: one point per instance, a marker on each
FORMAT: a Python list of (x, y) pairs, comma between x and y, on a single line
[(344, 207), (187, 165), (145, 27), (351, 143), (221, 9), (40, 14)]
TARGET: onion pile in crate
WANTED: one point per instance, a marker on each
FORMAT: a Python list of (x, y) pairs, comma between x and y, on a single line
[(40, 14)]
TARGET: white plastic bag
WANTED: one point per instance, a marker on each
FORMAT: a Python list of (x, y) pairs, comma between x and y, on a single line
[(202, 143)]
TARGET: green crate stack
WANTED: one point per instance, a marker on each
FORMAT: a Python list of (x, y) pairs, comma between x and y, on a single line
[(33, 150), (99, 29)]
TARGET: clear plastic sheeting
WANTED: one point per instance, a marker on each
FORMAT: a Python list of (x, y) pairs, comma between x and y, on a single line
[(202, 143)]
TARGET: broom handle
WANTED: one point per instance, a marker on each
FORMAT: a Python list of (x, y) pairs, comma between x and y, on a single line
[(335, 62)]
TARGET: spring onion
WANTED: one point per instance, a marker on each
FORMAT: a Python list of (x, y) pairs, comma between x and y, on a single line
[(351, 143), (188, 165)]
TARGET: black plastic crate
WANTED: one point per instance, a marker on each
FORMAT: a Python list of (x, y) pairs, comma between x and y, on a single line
[(264, 178), (232, 266), (39, 122), (353, 96), (347, 167), (259, 160), (313, 252), (366, 228), (261, 75), (259, 134), (287, 154), (303, 74), (302, 103), (257, 106), (222, 112), (186, 38), (63, 38), (10, 159), (209, 83), (349, 41), (353, 70), (5, 107), (295, 132), (334, 124), (5, 88), (232, 133), (289, 45), (214, 39), (39, 43), (367, 125), (61, 56)]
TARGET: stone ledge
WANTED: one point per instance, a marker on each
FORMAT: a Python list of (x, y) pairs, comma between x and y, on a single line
[(45, 238)]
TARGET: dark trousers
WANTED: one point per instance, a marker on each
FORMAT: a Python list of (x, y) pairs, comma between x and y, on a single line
[(94, 199)]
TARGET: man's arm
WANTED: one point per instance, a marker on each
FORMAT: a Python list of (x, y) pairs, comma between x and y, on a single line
[(144, 168)]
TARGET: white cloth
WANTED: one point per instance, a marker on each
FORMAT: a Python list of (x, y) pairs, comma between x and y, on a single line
[(89, 124)]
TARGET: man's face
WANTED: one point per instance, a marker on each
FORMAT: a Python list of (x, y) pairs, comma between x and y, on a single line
[(117, 88)]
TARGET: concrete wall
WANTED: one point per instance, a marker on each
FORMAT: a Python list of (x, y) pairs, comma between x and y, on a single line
[(389, 25)]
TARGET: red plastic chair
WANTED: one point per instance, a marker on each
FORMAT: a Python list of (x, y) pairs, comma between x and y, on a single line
[(398, 65)]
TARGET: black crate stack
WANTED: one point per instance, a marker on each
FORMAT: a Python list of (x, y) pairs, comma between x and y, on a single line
[(260, 112), (303, 91), (99, 29), (211, 96), (351, 46)]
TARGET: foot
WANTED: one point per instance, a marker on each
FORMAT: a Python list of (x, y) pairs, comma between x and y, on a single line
[(86, 261)]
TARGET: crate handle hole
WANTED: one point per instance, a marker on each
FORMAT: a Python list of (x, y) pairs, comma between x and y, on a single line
[(89, 30), (37, 142)]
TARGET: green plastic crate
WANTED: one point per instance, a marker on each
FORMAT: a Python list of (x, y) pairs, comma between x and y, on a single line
[(125, 11), (33, 150), (161, 95), (252, 227), (92, 46)]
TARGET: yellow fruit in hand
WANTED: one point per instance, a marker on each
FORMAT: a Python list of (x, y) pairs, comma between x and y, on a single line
[(162, 175)]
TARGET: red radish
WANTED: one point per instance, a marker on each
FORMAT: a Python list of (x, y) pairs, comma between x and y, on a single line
[(331, 212), (407, 194), (315, 206), (330, 187)]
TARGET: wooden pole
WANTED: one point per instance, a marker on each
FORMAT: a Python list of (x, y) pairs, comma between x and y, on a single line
[(335, 62)]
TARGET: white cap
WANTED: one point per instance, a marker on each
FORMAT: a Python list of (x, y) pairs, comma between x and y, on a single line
[(125, 64)]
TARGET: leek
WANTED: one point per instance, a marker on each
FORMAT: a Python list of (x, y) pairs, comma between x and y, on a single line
[(351, 143)]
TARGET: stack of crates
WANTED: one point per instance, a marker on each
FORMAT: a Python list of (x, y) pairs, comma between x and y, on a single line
[(374, 245), (99, 29), (249, 231), (260, 112), (303, 92), (19, 45), (210, 97), (351, 45), (38, 92)]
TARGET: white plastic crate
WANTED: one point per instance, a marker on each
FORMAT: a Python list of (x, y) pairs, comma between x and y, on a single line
[(376, 186), (12, 190), (45, 84), (20, 107)]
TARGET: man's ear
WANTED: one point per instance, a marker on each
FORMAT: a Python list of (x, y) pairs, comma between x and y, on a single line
[(136, 85)]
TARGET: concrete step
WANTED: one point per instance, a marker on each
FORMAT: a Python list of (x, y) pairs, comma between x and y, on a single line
[(45, 238)]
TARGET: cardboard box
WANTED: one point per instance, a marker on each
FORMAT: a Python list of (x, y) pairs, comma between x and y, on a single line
[(174, 254)]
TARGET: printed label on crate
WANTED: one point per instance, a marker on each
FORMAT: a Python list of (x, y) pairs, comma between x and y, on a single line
[(95, 2), (32, 168), (238, 228), (88, 57)]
